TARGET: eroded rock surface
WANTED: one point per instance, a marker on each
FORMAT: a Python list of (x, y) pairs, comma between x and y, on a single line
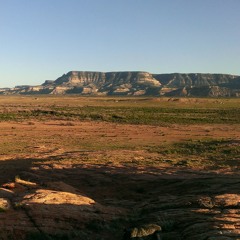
[(136, 83), (52, 210), (102, 201)]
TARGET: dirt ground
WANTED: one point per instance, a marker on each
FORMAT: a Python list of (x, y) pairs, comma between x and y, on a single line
[(92, 180)]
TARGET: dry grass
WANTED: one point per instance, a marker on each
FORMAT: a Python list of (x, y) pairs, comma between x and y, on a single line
[(55, 127), (144, 155)]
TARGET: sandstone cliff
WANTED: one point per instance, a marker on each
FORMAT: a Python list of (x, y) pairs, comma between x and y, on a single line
[(137, 84)]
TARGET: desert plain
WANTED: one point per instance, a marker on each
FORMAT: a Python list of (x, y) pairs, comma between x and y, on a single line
[(76, 167)]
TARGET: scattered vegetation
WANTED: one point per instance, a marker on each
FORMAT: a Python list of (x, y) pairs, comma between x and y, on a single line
[(150, 111), (149, 115), (107, 154), (205, 152), (153, 111)]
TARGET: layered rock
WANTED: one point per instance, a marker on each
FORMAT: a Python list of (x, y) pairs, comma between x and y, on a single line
[(136, 83), (32, 211)]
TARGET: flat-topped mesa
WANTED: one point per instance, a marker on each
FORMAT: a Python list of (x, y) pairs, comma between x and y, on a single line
[(193, 79), (135, 78), (81, 78), (137, 83), (87, 77)]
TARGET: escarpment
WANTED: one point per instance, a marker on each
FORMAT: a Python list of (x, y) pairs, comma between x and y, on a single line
[(136, 84)]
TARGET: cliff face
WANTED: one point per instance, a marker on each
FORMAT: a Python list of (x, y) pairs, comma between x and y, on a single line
[(137, 83), (75, 78)]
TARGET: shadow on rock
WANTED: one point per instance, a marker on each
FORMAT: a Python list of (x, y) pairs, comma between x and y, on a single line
[(59, 200)]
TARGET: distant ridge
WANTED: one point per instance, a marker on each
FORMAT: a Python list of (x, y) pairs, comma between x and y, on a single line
[(136, 84)]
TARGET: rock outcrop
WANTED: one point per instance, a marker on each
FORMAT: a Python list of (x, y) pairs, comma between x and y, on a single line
[(57, 209), (136, 84)]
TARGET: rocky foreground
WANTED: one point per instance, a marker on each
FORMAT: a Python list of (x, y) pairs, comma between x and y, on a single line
[(185, 204), (93, 180), (136, 84)]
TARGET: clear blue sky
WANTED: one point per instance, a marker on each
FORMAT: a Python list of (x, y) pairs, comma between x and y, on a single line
[(42, 39)]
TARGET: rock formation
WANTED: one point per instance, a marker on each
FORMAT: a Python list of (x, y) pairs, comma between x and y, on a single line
[(136, 84)]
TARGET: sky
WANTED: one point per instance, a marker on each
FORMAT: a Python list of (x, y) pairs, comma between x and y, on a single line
[(43, 39)]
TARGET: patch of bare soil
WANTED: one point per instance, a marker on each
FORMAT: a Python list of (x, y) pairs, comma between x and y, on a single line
[(89, 180)]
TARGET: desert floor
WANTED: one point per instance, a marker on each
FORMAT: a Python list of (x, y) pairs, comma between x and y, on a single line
[(70, 177)]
